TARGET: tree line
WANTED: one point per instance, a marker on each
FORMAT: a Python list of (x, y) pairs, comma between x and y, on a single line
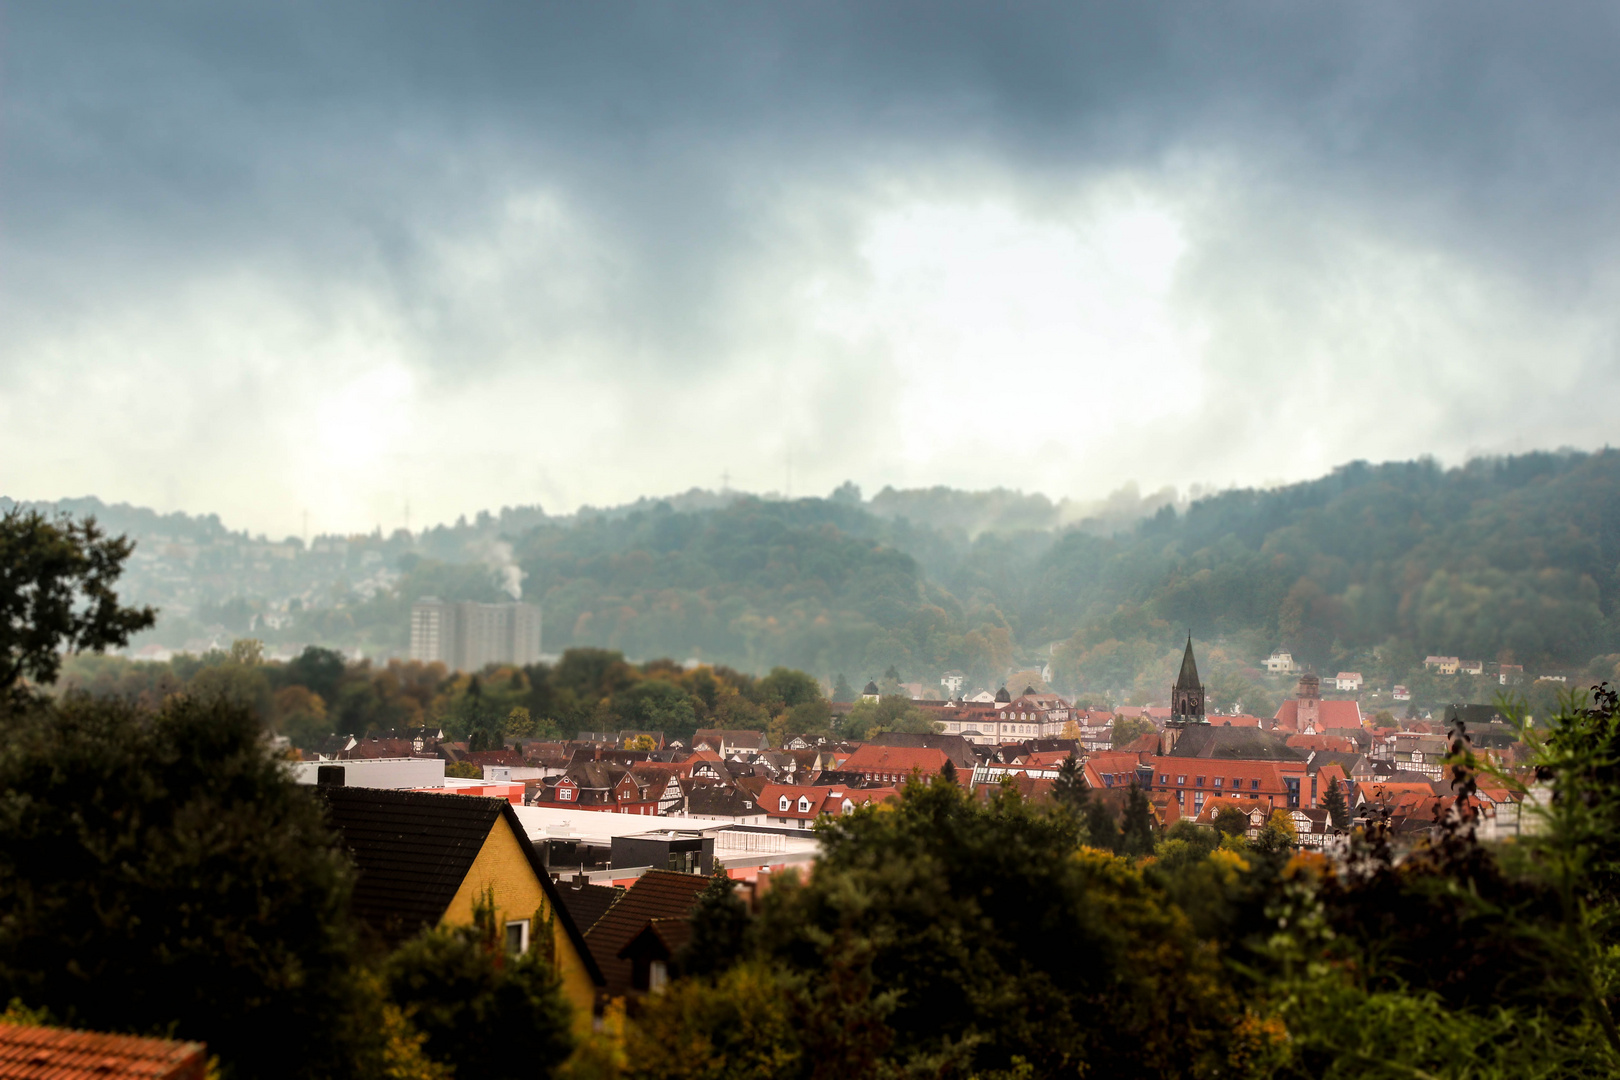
[(1372, 567)]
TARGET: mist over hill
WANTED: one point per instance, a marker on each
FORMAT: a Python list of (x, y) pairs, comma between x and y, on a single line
[(1511, 559)]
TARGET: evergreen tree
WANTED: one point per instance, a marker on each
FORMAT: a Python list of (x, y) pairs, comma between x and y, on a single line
[(1336, 806), (1102, 831), (1069, 789), (947, 772), (1137, 832), (843, 693)]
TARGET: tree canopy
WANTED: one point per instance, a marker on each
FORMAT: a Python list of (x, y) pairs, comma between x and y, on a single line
[(56, 594)]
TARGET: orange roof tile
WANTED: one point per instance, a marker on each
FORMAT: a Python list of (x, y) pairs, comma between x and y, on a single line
[(38, 1053), (895, 760)]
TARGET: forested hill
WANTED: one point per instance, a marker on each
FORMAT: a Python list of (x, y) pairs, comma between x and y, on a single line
[(1513, 559), (1369, 568)]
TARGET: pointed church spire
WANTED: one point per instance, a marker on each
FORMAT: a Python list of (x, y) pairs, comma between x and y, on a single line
[(1187, 698), (1188, 679)]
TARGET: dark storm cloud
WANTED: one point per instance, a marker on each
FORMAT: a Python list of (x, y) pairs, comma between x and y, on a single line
[(323, 130), (354, 149)]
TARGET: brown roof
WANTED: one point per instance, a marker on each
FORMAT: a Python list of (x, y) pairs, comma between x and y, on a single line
[(37, 1053), (663, 938), (586, 902), (657, 894)]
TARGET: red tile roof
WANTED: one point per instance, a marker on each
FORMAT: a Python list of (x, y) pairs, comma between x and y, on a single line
[(1241, 720), (895, 760), (37, 1053)]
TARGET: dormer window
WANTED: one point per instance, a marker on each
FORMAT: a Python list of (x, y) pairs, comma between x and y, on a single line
[(804, 804), (783, 806)]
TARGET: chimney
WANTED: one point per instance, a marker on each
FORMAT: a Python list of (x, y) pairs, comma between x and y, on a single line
[(329, 776)]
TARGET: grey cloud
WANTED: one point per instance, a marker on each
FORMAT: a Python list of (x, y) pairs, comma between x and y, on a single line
[(355, 147)]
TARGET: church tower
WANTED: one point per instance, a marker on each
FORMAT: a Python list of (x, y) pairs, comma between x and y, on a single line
[(1187, 699)]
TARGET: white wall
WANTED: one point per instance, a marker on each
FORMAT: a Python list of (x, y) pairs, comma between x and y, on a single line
[(378, 772)]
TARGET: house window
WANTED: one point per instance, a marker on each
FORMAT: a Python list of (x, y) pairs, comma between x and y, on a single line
[(565, 794), (657, 976), (1164, 778), (804, 804), (1200, 782), (1217, 781), (783, 805), (1181, 779), (1254, 785), (517, 937), (1236, 783)]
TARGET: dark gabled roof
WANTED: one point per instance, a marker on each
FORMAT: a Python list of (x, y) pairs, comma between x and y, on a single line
[(958, 749), (586, 902), (412, 851), (871, 688), (660, 938), (1003, 696), (657, 894), (720, 800), (1347, 762), (1234, 743)]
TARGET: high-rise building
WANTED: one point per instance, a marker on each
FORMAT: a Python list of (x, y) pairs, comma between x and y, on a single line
[(466, 636)]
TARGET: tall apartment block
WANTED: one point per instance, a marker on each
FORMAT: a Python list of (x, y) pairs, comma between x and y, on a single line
[(465, 636)]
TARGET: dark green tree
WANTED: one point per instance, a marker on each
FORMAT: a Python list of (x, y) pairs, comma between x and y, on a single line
[(1334, 803), (719, 929), (1137, 828), (786, 687), (317, 669), (1231, 821), (486, 1013), (163, 873), (1069, 789), (936, 916), (56, 595), (843, 693), (1102, 831)]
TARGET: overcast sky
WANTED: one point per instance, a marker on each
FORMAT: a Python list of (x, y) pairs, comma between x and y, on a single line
[(263, 259)]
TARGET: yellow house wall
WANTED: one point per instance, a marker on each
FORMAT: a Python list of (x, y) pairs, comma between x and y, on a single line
[(503, 866)]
